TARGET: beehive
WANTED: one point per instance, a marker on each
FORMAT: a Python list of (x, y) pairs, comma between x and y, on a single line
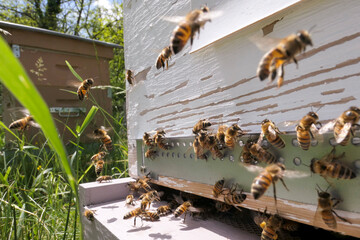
[(216, 79)]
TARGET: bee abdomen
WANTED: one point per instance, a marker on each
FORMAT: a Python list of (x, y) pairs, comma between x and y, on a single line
[(263, 70), (268, 234), (180, 210), (303, 139), (260, 185), (180, 36), (16, 124), (278, 142), (343, 172), (328, 218)]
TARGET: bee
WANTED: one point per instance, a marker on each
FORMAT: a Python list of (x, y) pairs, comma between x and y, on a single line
[(159, 139), (151, 216), (97, 157), (184, 207), (89, 214), (202, 124), (218, 188), (304, 129), (163, 58), (150, 153), (198, 149), (104, 178), (137, 212), (22, 124), (270, 226), (84, 88), (283, 53), (234, 197), (222, 207), (261, 154), (148, 141), (130, 200), (104, 137), (289, 225), (247, 157), (129, 77), (343, 125), (99, 165), (271, 174), (326, 205), (164, 210), (271, 133), (213, 147), (148, 198), (231, 135), (194, 20), (203, 138), (220, 135), (326, 167)]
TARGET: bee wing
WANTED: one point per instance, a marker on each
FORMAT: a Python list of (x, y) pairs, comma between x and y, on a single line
[(173, 19), (264, 43), (210, 15), (327, 127), (178, 199), (261, 137), (295, 174), (34, 124), (196, 210), (107, 129), (288, 123), (254, 168), (315, 132), (344, 132), (273, 132)]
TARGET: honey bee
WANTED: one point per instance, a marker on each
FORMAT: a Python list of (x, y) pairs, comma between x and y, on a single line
[(220, 135), (148, 198), (202, 124), (213, 147), (130, 200), (304, 129), (151, 216), (104, 178), (137, 212), (22, 124), (140, 183), (159, 139), (129, 77), (150, 153), (99, 165), (203, 138), (261, 154), (102, 134), (289, 225), (271, 174), (163, 58), (343, 125), (164, 210), (222, 207), (271, 133), (283, 53), (218, 188), (234, 197), (198, 149), (186, 29), (148, 141), (326, 167), (326, 205), (84, 88), (246, 156), (184, 207), (231, 135), (270, 226), (97, 157), (89, 214)]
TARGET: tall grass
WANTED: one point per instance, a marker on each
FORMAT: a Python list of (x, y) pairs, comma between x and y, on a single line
[(38, 184)]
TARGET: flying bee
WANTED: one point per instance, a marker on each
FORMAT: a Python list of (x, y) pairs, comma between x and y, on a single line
[(163, 58), (327, 167), (198, 149), (137, 212), (130, 200), (104, 178), (102, 134), (159, 139), (164, 210), (261, 154), (220, 135), (213, 147), (283, 53), (218, 188), (305, 128), (270, 227), (148, 141), (151, 216), (232, 134), (343, 125), (234, 197), (89, 214), (84, 88), (222, 207), (325, 206), (129, 76), (99, 165), (22, 124), (97, 157), (271, 133), (202, 124), (151, 153)]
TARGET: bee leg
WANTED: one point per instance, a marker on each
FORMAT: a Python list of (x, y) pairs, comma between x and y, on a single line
[(281, 76), (296, 62), (274, 188), (343, 219), (284, 184), (167, 64), (185, 216)]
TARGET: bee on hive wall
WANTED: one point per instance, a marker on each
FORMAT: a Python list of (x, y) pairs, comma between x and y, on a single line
[(271, 133), (202, 124), (129, 76)]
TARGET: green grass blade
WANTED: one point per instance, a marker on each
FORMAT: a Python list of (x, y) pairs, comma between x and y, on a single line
[(7, 129), (87, 120), (85, 173), (73, 71)]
